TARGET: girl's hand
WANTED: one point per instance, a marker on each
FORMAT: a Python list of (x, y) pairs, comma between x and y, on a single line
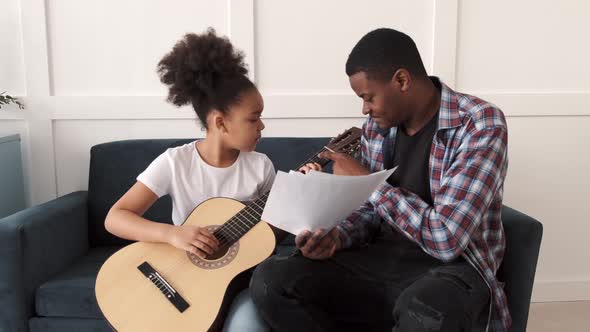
[(193, 239), (345, 164), (309, 166)]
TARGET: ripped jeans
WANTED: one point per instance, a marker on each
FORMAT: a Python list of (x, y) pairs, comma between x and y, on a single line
[(389, 285)]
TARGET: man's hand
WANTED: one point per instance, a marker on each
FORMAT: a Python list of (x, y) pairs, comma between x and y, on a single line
[(345, 164), (317, 246)]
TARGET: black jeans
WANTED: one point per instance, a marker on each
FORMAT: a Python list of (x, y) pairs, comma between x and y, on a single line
[(389, 285)]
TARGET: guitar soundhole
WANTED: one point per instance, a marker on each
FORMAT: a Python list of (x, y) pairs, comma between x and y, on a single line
[(218, 259)]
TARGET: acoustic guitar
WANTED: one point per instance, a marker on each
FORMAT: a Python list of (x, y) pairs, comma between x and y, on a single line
[(157, 287)]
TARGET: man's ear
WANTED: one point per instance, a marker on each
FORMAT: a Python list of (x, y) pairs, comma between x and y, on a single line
[(402, 80)]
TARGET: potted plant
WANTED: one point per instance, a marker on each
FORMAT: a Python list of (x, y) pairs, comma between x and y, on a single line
[(8, 99)]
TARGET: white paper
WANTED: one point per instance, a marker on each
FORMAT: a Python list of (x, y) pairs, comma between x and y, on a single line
[(317, 200)]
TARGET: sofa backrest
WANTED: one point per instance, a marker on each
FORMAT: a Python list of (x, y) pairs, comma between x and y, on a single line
[(114, 167)]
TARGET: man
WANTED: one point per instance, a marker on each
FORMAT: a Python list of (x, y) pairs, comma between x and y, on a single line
[(422, 253)]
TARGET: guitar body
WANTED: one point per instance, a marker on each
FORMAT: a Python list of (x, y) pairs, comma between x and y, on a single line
[(157, 287)]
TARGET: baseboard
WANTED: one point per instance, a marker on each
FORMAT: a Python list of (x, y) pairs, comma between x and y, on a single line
[(561, 291)]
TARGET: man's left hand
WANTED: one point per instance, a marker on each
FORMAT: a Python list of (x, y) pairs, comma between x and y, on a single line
[(318, 245)]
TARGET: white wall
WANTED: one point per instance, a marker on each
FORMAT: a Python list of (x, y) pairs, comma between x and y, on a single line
[(87, 75)]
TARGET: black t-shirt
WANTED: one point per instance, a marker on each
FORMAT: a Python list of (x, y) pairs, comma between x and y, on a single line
[(411, 155)]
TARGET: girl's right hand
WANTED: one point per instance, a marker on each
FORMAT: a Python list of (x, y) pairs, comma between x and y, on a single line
[(309, 166), (196, 240)]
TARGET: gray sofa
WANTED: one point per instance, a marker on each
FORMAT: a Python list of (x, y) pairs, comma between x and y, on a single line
[(51, 253)]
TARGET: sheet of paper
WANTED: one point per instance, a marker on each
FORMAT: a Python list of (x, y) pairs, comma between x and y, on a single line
[(316, 200)]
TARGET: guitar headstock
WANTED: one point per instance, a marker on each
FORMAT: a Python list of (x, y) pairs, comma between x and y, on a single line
[(348, 142)]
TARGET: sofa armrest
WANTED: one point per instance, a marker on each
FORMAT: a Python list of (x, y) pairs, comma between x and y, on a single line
[(523, 240), (35, 244)]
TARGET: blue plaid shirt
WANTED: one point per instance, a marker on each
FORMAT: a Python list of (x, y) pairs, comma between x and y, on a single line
[(467, 167)]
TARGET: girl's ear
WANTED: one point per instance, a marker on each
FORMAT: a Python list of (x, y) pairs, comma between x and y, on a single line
[(219, 122)]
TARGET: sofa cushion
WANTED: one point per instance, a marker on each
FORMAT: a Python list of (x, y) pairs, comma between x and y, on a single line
[(71, 292), (52, 324)]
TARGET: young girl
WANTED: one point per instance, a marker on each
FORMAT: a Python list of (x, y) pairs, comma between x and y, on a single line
[(204, 71)]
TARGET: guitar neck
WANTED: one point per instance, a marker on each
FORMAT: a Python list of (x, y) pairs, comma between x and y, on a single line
[(316, 159)]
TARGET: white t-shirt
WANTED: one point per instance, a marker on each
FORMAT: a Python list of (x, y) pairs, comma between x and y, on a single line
[(189, 180)]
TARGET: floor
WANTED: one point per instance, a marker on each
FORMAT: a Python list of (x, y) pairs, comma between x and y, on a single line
[(559, 316)]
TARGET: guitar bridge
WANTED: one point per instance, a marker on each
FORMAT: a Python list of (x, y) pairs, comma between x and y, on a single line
[(165, 288)]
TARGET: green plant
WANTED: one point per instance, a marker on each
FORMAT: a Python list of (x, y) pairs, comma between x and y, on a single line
[(8, 99)]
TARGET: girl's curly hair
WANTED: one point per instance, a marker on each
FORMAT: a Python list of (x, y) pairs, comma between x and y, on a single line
[(206, 71)]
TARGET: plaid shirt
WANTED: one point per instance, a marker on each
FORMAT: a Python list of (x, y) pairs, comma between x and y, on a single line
[(467, 167)]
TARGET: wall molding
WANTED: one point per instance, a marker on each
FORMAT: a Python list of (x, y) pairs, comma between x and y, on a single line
[(286, 106), (240, 18), (444, 43), (36, 59), (540, 103), (38, 84)]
